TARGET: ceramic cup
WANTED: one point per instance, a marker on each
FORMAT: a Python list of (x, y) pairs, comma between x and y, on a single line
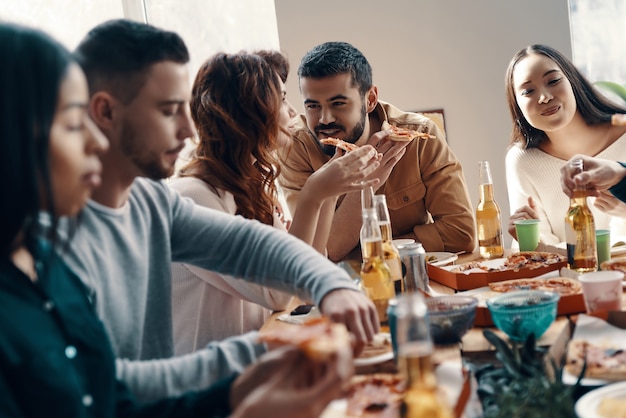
[(527, 231), (602, 290)]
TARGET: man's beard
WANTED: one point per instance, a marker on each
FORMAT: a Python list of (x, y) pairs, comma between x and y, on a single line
[(149, 163), (351, 136)]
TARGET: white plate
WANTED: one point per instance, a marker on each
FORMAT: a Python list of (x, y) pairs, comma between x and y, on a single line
[(441, 259), (368, 361), (380, 339), (587, 406)]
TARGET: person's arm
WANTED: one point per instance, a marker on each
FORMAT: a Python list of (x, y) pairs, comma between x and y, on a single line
[(520, 189), (619, 189), (204, 195), (346, 222), (213, 401), (340, 175), (154, 379), (446, 198), (264, 255)]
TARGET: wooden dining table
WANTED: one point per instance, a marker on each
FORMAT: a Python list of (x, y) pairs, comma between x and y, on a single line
[(473, 347)]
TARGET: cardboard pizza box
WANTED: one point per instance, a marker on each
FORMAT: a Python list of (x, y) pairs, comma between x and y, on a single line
[(473, 280)]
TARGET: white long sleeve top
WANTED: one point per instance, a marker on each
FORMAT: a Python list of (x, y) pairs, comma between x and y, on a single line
[(209, 306), (532, 172)]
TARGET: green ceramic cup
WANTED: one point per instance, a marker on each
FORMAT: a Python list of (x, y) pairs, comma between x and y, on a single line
[(527, 231), (603, 243)]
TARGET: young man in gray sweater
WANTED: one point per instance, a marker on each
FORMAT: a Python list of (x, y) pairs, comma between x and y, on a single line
[(135, 226)]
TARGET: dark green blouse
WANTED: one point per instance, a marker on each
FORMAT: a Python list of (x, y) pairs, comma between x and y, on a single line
[(56, 360)]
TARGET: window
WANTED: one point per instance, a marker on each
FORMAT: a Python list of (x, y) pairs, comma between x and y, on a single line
[(598, 29)]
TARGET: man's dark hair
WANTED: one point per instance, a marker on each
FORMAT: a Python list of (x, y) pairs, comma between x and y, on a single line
[(333, 58), (117, 55)]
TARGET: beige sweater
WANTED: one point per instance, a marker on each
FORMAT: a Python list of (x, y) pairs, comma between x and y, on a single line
[(207, 306), (534, 173)]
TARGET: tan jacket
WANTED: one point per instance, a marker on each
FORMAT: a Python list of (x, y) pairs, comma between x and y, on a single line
[(426, 191)]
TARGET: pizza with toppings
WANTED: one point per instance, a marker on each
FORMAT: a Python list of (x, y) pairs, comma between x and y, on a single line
[(339, 143), (318, 338), (562, 285), (375, 395), (603, 362), (618, 264), (404, 134), (517, 261)]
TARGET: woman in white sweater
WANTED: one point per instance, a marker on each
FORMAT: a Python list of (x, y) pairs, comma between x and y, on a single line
[(556, 114), (238, 105)]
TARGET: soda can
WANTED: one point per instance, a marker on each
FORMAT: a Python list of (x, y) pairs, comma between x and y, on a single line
[(414, 276)]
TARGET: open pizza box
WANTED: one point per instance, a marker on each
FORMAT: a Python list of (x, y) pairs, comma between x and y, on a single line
[(601, 328), (568, 304), (476, 278)]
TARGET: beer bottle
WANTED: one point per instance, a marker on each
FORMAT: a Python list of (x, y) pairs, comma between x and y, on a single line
[(375, 274), (391, 254), (422, 398), (580, 230), (488, 219)]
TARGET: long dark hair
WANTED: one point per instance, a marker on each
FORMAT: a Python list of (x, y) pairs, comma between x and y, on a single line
[(235, 104), (591, 104), (33, 67)]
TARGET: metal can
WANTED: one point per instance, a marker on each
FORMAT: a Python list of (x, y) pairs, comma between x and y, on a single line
[(414, 276)]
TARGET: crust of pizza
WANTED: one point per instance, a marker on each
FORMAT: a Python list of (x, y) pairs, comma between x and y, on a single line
[(339, 143), (618, 264), (404, 134), (565, 286), (603, 362), (318, 338)]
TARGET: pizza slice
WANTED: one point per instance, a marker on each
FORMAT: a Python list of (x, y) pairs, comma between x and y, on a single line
[(339, 143), (404, 134), (562, 285), (603, 361), (375, 395), (318, 338)]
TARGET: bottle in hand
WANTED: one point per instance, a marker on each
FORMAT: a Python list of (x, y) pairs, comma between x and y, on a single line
[(580, 230), (375, 274), (488, 218)]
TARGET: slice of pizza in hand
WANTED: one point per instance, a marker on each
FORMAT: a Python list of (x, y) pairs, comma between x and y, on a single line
[(404, 134), (339, 143), (318, 338)]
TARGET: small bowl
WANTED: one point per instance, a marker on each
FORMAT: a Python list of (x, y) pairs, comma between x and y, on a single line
[(450, 317), (521, 313)]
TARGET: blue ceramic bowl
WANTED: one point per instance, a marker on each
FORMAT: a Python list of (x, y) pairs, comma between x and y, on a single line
[(450, 317), (521, 313)]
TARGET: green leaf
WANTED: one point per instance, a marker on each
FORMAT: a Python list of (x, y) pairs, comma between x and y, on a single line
[(613, 87)]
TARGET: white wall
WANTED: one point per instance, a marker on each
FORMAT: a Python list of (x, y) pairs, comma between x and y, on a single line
[(446, 53)]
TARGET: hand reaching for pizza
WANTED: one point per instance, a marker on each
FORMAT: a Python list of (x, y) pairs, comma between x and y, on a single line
[(355, 311), (286, 383)]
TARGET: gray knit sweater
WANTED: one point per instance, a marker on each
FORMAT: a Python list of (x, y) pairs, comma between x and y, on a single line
[(123, 256)]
